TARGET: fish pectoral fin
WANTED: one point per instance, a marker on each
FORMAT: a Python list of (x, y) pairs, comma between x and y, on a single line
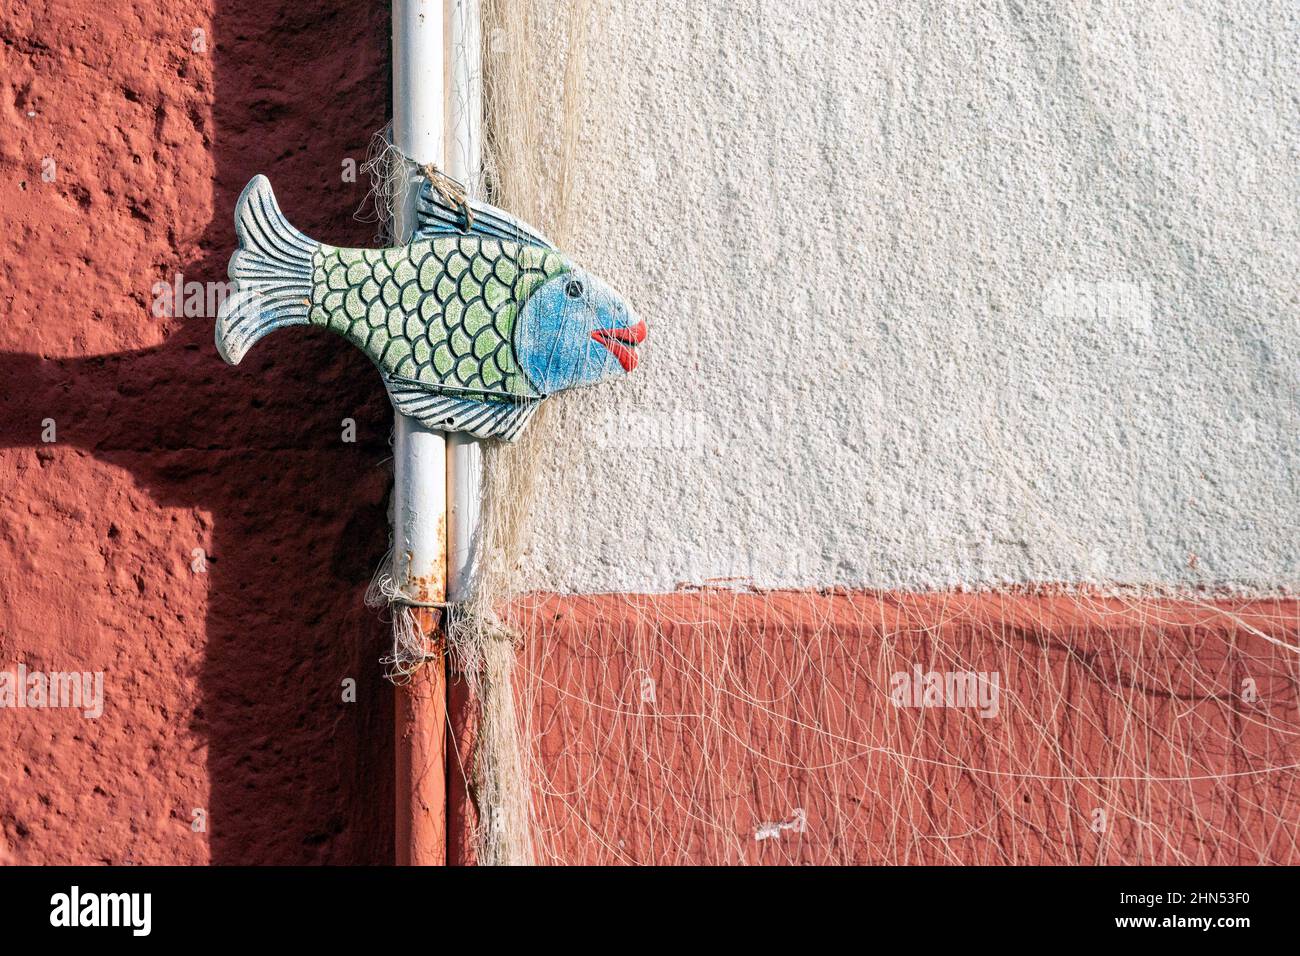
[(453, 413)]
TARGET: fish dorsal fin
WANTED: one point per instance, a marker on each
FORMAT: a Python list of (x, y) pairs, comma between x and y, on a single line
[(452, 411), (437, 215)]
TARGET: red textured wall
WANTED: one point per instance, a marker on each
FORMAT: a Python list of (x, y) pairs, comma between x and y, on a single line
[(673, 727), (223, 689)]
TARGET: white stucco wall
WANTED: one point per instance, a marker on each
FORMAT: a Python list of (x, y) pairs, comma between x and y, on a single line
[(940, 293)]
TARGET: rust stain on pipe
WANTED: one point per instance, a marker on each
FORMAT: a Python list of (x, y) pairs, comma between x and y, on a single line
[(421, 758), (421, 711)]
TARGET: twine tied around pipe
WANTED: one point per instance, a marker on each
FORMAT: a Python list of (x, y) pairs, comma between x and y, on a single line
[(452, 192)]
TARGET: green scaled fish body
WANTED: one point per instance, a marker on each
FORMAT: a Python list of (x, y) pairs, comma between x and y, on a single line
[(440, 312), (472, 322)]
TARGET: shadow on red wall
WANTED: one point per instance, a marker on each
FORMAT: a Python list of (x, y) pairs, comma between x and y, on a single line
[(298, 515)]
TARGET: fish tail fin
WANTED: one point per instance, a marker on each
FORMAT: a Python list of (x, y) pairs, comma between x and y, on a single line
[(271, 270)]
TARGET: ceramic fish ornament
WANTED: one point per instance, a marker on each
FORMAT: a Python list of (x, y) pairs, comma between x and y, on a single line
[(472, 323)]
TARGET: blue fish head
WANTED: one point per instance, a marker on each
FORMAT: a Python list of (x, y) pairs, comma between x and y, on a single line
[(575, 330)]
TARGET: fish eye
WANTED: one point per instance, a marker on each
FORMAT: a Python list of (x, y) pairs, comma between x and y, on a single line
[(573, 289)]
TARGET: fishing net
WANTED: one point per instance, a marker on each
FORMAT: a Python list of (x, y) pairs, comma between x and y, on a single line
[(735, 725), (757, 727), (532, 97)]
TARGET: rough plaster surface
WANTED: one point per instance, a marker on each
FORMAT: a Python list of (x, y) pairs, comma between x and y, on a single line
[(941, 294), (223, 687)]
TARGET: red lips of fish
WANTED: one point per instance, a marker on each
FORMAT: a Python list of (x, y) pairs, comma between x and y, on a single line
[(618, 342)]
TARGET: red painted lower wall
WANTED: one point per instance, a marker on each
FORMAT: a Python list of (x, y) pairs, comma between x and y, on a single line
[(674, 728)]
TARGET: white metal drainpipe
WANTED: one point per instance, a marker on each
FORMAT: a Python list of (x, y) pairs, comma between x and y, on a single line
[(420, 467), (464, 159), (464, 452)]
